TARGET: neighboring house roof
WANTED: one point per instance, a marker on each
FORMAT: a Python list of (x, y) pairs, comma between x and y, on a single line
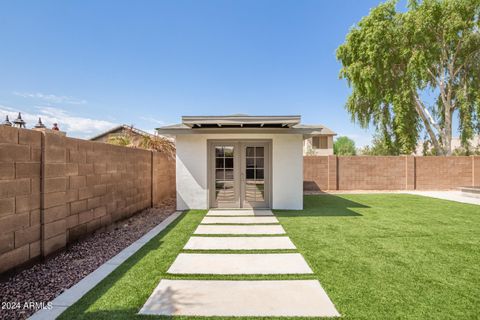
[(123, 127), (324, 132), (243, 124)]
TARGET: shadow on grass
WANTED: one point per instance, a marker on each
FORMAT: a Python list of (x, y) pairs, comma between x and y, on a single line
[(325, 205), (80, 309)]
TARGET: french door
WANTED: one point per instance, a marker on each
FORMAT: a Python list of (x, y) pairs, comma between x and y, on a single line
[(239, 174)]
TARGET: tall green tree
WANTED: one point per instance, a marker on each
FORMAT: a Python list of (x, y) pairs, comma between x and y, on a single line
[(395, 62), (344, 146), (379, 147)]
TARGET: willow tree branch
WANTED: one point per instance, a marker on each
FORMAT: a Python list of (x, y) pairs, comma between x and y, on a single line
[(428, 122)]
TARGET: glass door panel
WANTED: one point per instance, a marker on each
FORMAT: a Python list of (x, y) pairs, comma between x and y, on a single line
[(226, 194), (254, 172)]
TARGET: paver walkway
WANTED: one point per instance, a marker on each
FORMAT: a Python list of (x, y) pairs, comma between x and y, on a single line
[(265, 298), (239, 243), (239, 229)]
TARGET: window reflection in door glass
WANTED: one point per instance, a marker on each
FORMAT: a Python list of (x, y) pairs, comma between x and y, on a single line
[(224, 174), (259, 151), (259, 162), (219, 175), (259, 174), (228, 151), (254, 174), (219, 163), (251, 163), (229, 163)]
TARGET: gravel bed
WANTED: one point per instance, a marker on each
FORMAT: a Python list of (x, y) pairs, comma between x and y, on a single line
[(46, 280)]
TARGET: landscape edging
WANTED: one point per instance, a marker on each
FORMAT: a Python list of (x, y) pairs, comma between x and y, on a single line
[(73, 294)]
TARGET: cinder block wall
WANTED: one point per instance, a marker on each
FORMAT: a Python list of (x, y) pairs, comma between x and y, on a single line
[(164, 173), (476, 170), (371, 173), (55, 189), (20, 158), (390, 173), (443, 172), (89, 185)]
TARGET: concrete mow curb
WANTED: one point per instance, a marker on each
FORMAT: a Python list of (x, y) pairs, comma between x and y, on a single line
[(72, 295)]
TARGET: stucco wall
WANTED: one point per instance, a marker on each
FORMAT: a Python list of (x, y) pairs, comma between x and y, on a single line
[(192, 177)]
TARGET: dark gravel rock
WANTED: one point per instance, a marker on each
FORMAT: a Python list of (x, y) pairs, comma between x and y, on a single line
[(46, 280)]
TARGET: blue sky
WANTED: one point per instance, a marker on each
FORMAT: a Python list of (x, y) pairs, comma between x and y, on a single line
[(91, 65)]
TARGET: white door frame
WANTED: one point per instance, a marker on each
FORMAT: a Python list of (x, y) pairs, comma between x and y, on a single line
[(239, 172)]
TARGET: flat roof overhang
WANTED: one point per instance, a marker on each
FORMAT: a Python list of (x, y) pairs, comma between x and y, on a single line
[(240, 121), (244, 124), (306, 132)]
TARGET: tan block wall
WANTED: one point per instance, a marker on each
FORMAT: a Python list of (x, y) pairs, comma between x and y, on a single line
[(86, 185), (443, 172), (371, 173), (20, 158), (390, 173), (476, 171), (93, 185), (163, 186), (315, 173)]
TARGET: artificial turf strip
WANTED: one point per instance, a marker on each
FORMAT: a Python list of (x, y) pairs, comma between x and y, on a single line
[(125, 290), (391, 256), (377, 256)]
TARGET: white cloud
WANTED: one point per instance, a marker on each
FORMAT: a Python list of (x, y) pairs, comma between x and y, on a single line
[(50, 97), (75, 126)]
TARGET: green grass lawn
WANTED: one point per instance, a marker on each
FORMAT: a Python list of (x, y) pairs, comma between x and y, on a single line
[(381, 256), (392, 256)]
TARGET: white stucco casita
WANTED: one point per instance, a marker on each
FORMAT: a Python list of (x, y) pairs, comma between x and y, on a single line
[(239, 162)]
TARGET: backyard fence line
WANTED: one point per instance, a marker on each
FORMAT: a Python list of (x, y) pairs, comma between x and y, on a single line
[(55, 189), (390, 172)]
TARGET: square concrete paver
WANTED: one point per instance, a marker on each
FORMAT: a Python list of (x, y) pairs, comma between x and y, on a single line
[(239, 212), (239, 243), (263, 298), (239, 220), (246, 229), (266, 263)]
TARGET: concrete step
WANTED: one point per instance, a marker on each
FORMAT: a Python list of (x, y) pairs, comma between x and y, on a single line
[(239, 212), (261, 298), (239, 220), (239, 243), (245, 229), (221, 264)]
